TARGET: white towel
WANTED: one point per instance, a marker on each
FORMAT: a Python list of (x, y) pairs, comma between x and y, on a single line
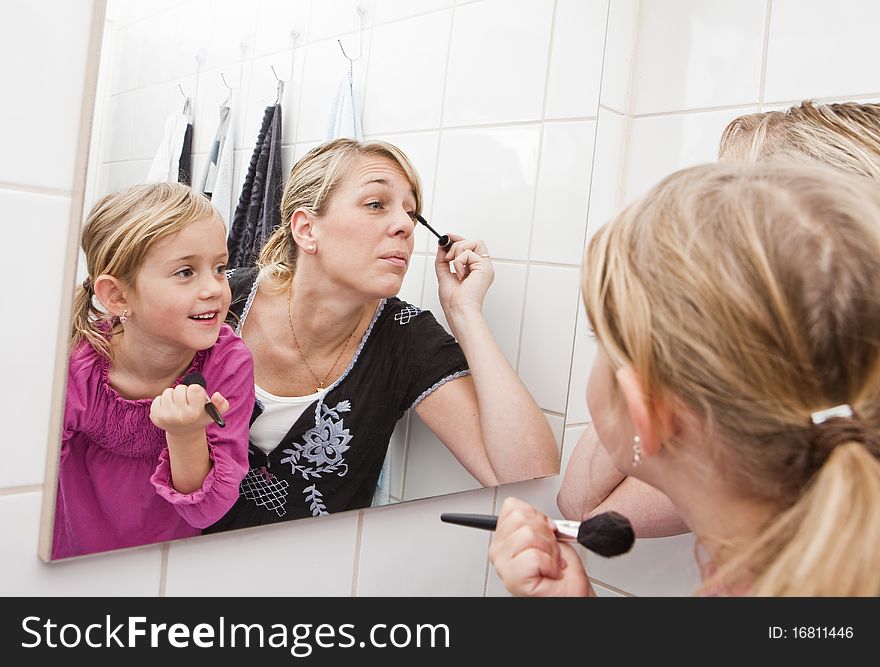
[(344, 118), (217, 179), (166, 163)]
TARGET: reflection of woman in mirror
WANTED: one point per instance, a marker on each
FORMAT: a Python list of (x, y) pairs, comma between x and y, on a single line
[(338, 359), (845, 136), (141, 460), (738, 372)]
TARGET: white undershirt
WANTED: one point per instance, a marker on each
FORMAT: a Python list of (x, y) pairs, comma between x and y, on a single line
[(279, 414)]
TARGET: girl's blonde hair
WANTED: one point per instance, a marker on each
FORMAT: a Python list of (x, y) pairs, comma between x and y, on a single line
[(312, 182), (751, 293), (118, 233), (845, 136)]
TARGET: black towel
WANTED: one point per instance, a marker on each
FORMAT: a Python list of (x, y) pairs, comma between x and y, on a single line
[(259, 206), (184, 166)]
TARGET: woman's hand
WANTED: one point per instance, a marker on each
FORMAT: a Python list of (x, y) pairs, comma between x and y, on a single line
[(181, 411), (464, 290), (529, 560)]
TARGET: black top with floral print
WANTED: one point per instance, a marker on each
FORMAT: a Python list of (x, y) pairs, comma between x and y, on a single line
[(330, 459)]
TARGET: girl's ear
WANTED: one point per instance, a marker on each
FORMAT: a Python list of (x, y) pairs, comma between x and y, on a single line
[(652, 429), (112, 294), (302, 229)]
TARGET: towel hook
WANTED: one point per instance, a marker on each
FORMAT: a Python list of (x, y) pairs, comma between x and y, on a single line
[(360, 11), (294, 35), (225, 83), (281, 83)]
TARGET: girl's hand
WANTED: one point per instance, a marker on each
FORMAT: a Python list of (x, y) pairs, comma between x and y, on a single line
[(466, 288), (180, 410), (529, 560)]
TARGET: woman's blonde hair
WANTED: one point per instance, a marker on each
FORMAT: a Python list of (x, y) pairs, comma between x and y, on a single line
[(845, 136), (751, 293), (118, 233), (312, 182)]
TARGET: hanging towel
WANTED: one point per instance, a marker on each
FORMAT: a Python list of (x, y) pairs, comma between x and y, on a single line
[(259, 206), (216, 183), (172, 160), (345, 120)]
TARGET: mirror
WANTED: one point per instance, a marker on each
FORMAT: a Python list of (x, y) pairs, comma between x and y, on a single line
[(495, 103)]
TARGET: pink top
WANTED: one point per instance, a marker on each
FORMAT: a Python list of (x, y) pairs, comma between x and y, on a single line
[(114, 484)]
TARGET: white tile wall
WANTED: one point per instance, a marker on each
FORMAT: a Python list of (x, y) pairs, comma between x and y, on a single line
[(391, 10), (24, 398), (225, 564), (39, 89), (563, 192), (660, 145), (406, 75), (576, 58), (485, 188), (498, 74), (406, 550), (713, 47), (548, 334), (133, 572), (277, 20), (822, 49)]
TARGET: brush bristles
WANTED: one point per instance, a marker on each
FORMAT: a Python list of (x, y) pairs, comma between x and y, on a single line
[(607, 534)]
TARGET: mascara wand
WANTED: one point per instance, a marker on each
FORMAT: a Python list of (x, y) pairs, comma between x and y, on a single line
[(442, 240)]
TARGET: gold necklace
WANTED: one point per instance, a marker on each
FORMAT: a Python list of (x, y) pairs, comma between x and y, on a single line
[(299, 347)]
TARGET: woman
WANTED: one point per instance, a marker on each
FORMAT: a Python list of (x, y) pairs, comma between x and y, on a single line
[(845, 136), (738, 373), (338, 359)]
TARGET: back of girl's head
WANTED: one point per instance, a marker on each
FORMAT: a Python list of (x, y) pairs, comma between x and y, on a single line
[(845, 136), (118, 233), (312, 182), (751, 293)]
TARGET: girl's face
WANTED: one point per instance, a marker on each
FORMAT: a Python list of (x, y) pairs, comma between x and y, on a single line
[(182, 296), (365, 237)]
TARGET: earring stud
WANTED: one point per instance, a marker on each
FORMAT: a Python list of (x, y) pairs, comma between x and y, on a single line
[(637, 451), (124, 317)]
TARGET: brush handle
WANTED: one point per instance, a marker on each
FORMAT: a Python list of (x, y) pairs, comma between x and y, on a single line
[(484, 521), (444, 242)]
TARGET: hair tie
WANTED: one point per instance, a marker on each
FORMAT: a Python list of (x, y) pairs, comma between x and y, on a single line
[(87, 284), (837, 426)]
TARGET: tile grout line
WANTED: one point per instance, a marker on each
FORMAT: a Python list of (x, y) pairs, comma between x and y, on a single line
[(35, 190), (163, 570), (357, 554), (764, 53), (15, 490)]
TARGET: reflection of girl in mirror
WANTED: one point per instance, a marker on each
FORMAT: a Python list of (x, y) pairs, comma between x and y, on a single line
[(338, 359), (141, 461), (738, 372), (845, 136)]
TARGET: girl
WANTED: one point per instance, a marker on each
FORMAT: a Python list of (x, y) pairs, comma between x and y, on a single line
[(141, 460), (845, 136), (738, 372)]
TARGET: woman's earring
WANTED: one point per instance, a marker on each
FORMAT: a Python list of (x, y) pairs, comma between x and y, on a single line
[(124, 317), (312, 248), (637, 451)]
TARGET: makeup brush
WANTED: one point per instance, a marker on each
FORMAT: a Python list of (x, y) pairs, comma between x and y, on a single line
[(607, 534), (442, 240), (210, 408)]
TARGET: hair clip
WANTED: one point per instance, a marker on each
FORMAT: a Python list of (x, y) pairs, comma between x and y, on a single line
[(821, 416)]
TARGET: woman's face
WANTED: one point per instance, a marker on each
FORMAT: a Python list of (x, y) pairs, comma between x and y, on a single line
[(364, 240), (612, 424)]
